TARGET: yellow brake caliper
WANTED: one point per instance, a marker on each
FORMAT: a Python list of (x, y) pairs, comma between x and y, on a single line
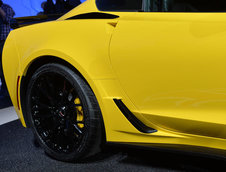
[(79, 111)]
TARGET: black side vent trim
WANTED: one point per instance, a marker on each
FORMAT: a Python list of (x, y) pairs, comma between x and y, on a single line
[(94, 15), (133, 119)]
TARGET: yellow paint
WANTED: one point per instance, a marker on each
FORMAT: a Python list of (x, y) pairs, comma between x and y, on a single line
[(168, 69)]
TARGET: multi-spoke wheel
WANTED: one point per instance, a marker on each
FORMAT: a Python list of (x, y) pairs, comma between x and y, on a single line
[(64, 113)]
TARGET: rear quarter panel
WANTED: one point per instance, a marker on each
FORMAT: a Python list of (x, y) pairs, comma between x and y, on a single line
[(82, 43), (11, 66)]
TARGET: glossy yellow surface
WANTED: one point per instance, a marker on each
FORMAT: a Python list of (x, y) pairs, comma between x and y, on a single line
[(168, 69)]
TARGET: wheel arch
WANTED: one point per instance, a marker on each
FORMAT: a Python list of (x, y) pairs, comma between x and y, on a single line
[(32, 67)]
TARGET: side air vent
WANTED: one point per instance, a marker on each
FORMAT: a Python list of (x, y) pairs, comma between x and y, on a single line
[(132, 118), (94, 15)]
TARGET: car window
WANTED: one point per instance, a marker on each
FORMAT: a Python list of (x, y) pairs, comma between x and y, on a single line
[(119, 5), (188, 5)]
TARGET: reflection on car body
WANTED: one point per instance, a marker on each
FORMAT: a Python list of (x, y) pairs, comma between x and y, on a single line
[(143, 73)]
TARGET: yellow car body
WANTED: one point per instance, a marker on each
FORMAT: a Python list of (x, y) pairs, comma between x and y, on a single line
[(168, 69)]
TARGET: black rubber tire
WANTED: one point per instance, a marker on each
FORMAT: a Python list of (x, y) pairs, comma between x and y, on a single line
[(94, 136)]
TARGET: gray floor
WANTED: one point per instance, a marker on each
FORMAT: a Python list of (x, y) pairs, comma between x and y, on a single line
[(19, 153), (7, 115)]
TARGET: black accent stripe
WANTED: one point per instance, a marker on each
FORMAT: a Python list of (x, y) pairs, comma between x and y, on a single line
[(133, 119), (94, 15)]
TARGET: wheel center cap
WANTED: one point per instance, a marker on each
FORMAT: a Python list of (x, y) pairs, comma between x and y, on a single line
[(61, 111), (61, 114)]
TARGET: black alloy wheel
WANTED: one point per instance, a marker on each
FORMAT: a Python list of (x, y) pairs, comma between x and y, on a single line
[(64, 113)]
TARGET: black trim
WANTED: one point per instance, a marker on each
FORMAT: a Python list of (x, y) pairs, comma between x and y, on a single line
[(133, 119), (26, 21), (183, 150), (94, 15)]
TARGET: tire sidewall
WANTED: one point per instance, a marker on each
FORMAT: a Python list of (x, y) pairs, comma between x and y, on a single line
[(89, 113)]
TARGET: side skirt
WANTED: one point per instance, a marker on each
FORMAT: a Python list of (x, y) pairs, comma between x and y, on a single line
[(132, 118)]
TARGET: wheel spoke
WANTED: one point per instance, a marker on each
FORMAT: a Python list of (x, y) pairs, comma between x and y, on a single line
[(76, 129), (42, 106), (73, 106), (45, 94), (50, 82), (46, 116)]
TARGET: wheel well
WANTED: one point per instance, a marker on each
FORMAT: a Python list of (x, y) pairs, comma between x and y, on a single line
[(31, 69)]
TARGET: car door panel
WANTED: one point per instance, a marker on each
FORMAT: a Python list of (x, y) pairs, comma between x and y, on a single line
[(172, 67)]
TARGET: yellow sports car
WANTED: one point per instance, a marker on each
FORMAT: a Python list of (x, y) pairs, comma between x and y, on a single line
[(139, 72)]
